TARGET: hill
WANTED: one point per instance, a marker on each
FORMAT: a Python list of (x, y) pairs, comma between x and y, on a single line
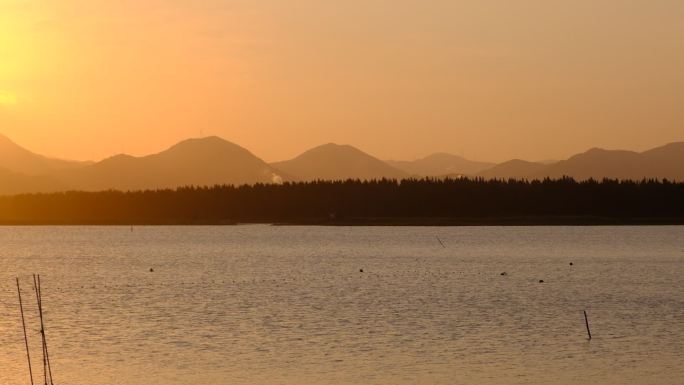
[(440, 164), (662, 162), (338, 162), (516, 168), (20, 160), (200, 162), (16, 183)]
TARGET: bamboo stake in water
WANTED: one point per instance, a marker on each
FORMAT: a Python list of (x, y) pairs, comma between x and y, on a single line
[(586, 321), (23, 324), (42, 335), (42, 328), (47, 371), (440, 242)]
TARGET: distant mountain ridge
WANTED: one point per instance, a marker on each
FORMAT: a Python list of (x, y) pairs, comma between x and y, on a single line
[(213, 160), (664, 162), (661, 162)]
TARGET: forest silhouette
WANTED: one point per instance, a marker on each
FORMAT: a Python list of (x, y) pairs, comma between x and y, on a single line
[(412, 202)]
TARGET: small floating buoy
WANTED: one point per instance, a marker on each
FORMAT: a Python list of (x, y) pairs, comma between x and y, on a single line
[(360, 270), (571, 263), (504, 273), (541, 281), (151, 270)]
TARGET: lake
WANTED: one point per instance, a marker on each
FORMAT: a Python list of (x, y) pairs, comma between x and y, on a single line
[(260, 304)]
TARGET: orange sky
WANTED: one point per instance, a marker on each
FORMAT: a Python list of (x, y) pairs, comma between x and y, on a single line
[(488, 79)]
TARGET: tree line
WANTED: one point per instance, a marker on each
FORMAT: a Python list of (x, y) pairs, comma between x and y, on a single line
[(413, 201)]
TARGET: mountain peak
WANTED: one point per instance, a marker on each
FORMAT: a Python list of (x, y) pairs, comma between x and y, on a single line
[(203, 143), (441, 164), (8, 144), (333, 161), (200, 161), (601, 153), (20, 160), (442, 155), (514, 168), (667, 148), (5, 139), (334, 147)]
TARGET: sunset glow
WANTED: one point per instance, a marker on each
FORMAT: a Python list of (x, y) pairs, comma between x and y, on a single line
[(488, 80)]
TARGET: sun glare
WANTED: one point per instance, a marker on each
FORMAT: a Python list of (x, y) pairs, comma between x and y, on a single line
[(7, 98)]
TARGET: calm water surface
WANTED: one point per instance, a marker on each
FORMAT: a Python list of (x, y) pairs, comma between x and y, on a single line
[(288, 305)]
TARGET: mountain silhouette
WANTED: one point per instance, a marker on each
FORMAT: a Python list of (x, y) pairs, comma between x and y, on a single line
[(19, 160), (200, 162), (338, 162), (212, 160), (15, 183), (440, 164), (662, 162), (516, 168), (666, 161)]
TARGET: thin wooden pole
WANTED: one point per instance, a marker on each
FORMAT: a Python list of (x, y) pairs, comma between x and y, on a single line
[(586, 321), (42, 334), (23, 324), (42, 328), (440, 242)]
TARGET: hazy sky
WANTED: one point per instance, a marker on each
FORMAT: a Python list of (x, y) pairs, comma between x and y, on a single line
[(488, 79)]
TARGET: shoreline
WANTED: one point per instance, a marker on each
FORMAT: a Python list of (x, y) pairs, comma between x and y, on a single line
[(372, 221)]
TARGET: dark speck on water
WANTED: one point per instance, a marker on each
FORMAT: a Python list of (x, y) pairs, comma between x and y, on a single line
[(541, 281), (360, 270)]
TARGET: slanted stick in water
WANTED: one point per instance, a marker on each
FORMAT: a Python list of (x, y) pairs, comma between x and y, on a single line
[(42, 334), (23, 324), (586, 321), (42, 328)]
